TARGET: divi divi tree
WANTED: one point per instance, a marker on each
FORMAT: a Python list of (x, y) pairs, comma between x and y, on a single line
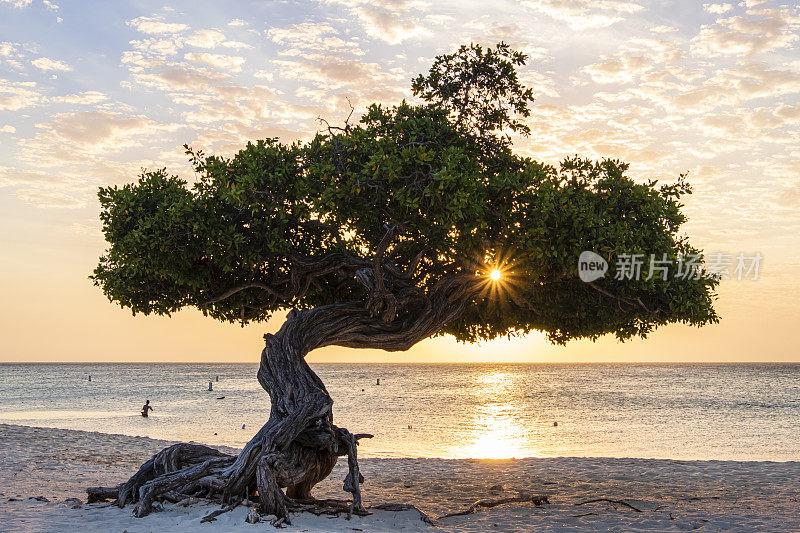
[(418, 220)]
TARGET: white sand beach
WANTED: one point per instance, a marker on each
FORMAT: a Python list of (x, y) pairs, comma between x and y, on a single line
[(669, 495)]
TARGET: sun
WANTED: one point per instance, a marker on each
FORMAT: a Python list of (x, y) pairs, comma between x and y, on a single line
[(495, 275)]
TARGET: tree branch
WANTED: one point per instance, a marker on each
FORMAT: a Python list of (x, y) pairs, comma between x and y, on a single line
[(302, 273), (627, 301), (378, 259), (254, 285)]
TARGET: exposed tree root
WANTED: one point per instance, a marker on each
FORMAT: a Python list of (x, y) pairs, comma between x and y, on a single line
[(188, 471), (616, 502), (329, 507), (101, 494), (483, 504)]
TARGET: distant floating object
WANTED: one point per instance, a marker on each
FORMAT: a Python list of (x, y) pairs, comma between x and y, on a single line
[(555, 424), (217, 378), (220, 397), (242, 426), (378, 382), (210, 386), (90, 377), (409, 426)]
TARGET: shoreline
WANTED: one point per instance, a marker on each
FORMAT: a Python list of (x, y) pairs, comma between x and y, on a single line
[(235, 450), (670, 494), (232, 450)]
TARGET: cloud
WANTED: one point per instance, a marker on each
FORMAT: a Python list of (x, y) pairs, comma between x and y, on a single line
[(180, 77), (35, 178), (18, 95), (222, 61), (17, 3), (542, 84), (44, 189), (151, 70), (515, 34), (235, 104), (154, 26), (311, 39), (324, 58), (757, 80), (84, 98), (392, 21), (663, 29), (389, 26), (583, 14), (72, 153), (236, 45), (334, 72), (756, 32), (237, 23), (636, 58), (10, 53), (91, 230), (157, 46), (8, 49), (618, 69), (46, 199), (8, 129), (44, 63), (316, 36), (703, 92), (206, 39), (71, 136), (717, 9), (50, 5)]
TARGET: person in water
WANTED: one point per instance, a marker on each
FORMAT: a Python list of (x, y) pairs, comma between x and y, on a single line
[(145, 408)]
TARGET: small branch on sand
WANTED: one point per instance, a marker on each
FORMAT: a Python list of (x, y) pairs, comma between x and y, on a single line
[(617, 502), (397, 507), (214, 514), (536, 500)]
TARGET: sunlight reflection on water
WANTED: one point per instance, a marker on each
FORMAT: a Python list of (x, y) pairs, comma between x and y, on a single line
[(733, 412), (496, 430)]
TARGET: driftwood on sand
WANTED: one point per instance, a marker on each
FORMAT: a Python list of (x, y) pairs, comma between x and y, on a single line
[(613, 502), (486, 504)]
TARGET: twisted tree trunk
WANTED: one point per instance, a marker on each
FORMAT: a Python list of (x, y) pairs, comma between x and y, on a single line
[(299, 444), (296, 449)]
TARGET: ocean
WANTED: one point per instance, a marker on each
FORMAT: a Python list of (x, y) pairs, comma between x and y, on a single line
[(676, 411)]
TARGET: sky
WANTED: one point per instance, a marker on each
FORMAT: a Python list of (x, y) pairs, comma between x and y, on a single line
[(92, 92)]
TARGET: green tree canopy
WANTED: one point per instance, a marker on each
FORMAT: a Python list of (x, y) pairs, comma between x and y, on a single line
[(402, 214)]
